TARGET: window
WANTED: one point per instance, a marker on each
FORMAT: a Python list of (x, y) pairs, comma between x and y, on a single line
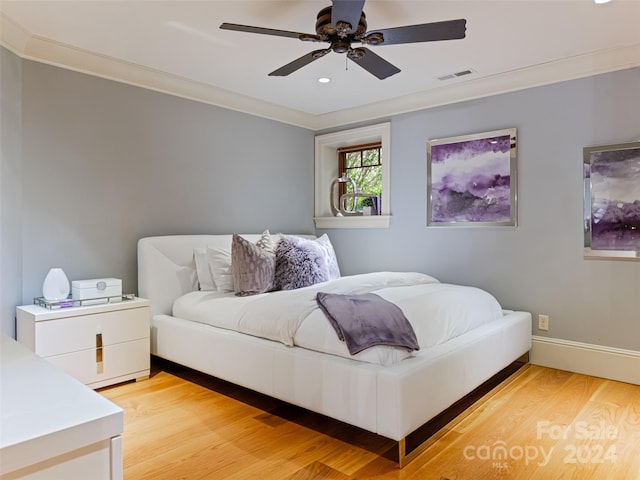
[(329, 148), (361, 163)]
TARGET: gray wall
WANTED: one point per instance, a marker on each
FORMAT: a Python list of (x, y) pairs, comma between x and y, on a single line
[(104, 164), (10, 188), (537, 266)]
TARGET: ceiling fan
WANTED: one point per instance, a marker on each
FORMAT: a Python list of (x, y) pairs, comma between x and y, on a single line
[(345, 23)]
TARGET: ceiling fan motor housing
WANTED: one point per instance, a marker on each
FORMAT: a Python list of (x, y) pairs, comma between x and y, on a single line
[(326, 30)]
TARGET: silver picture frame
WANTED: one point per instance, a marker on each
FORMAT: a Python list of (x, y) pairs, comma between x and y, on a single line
[(611, 177), (472, 180)]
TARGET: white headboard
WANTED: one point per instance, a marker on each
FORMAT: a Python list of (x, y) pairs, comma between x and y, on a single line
[(166, 269)]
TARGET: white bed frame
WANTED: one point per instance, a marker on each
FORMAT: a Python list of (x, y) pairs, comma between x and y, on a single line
[(391, 401)]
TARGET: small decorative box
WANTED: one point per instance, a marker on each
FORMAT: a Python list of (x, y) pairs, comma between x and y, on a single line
[(96, 288)]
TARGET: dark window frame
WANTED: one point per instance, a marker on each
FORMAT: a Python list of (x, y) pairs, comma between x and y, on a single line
[(342, 160)]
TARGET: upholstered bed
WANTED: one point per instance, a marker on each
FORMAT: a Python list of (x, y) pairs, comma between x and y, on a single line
[(386, 390)]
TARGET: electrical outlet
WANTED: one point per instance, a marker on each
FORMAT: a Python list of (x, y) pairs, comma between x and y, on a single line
[(543, 322)]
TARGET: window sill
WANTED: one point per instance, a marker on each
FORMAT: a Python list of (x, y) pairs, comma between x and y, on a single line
[(372, 221)]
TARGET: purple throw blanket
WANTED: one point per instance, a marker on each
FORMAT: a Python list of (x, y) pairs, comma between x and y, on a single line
[(366, 320)]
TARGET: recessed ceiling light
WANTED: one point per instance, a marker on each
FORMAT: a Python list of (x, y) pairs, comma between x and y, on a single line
[(324, 80), (601, 1)]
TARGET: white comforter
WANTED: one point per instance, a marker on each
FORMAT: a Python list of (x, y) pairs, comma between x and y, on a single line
[(437, 312)]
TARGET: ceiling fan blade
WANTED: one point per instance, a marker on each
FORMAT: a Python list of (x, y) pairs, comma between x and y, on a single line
[(375, 64), (264, 31), (348, 11), (426, 32), (299, 63)]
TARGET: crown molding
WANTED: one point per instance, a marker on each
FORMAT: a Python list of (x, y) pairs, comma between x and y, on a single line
[(50, 52), (544, 74), (12, 36), (40, 49)]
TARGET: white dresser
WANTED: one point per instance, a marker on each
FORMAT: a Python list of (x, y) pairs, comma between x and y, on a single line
[(52, 426), (97, 344)]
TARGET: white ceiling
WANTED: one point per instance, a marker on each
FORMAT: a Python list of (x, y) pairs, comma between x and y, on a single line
[(177, 46)]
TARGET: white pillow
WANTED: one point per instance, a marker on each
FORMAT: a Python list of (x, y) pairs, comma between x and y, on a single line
[(202, 270), (330, 256), (220, 266)]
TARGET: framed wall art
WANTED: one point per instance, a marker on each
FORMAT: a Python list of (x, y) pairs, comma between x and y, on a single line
[(611, 175), (471, 180)]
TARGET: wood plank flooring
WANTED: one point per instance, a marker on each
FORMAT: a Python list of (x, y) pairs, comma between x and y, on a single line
[(540, 423)]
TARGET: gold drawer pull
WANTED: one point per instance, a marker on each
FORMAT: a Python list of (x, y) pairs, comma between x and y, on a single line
[(99, 364)]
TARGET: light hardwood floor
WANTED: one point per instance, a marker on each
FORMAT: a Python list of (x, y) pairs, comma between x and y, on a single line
[(540, 423)]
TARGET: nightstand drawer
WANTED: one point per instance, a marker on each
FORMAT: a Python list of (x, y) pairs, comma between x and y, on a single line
[(66, 335), (131, 359)]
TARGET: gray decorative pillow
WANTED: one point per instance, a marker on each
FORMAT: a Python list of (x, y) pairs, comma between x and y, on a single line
[(300, 262), (253, 265)]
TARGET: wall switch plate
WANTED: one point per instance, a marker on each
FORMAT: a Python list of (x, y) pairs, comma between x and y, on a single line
[(543, 322)]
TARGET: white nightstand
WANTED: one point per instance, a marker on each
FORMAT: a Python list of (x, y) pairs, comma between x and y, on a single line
[(97, 344)]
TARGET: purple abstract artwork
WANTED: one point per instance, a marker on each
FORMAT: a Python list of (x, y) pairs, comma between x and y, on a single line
[(471, 180), (615, 199)]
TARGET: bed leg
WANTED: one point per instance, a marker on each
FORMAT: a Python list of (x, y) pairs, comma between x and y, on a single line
[(402, 452), (405, 458)]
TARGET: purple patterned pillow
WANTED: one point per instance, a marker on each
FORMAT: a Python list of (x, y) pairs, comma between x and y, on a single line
[(253, 265), (301, 262)]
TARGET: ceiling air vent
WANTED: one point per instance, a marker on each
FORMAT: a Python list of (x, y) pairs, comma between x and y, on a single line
[(461, 73)]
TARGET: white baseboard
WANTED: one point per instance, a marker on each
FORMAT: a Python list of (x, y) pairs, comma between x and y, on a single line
[(595, 360)]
